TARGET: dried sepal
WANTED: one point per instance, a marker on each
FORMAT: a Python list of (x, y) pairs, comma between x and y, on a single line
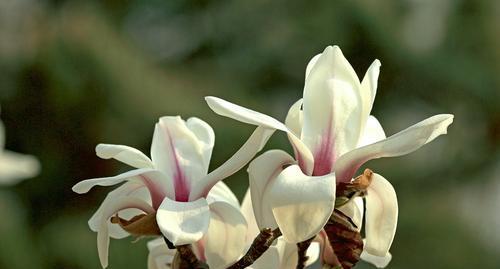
[(140, 225), (358, 187)]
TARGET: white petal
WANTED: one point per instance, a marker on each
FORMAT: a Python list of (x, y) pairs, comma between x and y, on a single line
[(124, 154), (381, 216), (134, 189), (16, 166), (369, 88), (253, 145), (379, 262), (373, 132), (247, 211), (271, 259), (230, 110), (313, 253), (262, 175), (154, 180), (311, 64), (183, 222), (302, 204), (160, 256), (399, 144), (112, 208), (225, 239), (178, 152), (221, 192), (294, 118), (206, 138), (355, 210)]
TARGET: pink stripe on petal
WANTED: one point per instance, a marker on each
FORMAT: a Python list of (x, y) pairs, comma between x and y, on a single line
[(155, 191), (181, 184), (324, 154)]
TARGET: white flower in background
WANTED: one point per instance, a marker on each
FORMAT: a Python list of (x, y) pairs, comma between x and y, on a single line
[(282, 254), (14, 166), (174, 187), (333, 134)]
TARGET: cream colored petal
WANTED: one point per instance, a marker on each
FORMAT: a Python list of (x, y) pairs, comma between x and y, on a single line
[(368, 90), (15, 167), (302, 204), (355, 210), (124, 154), (247, 211), (372, 133), (222, 193), (294, 118), (379, 262), (381, 216), (160, 256)]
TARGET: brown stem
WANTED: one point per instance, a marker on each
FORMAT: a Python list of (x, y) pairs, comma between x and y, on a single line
[(302, 253), (260, 244), (188, 259)]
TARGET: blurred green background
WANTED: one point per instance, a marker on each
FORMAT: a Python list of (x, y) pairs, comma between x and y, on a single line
[(77, 73)]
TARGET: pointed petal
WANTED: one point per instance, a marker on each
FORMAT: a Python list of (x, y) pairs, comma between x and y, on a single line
[(112, 208), (399, 144), (302, 204), (124, 154), (332, 109), (262, 175), (206, 137), (372, 133), (294, 118), (247, 211), (183, 222), (379, 262), (230, 110), (225, 238), (133, 189), (253, 145), (381, 216), (221, 192), (177, 152), (160, 256), (311, 64), (16, 166), (355, 210), (154, 180)]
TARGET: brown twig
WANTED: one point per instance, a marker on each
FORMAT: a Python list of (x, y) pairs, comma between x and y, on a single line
[(302, 253), (260, 244), (187, 258)]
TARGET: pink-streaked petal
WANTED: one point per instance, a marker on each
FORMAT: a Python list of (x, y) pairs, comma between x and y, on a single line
[(294, 118), (399, 144), (225, 238), (251, 147), (230, 110), (302, 204), (154, 180), (179, 153), (134, 189), (327, 255), (381, 216), (124, 154), (372, 133), (183, 222), (113, 208), (262, 175)]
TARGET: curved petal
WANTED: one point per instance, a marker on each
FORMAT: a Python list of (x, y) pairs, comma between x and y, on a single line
[(154, 180), (372, 133), (294, 118), (302, 204), (332, 109), (311, 64), (399, 144), (230, 110), (262, 175), (206, 137), (270, 259), (253, 145), (112, 208), (124, 154), (247, 211), (354, 209), (183, 222), (16, 166), (225, 238), (381, 216), (369, 89), (134, 189), (178, 152), (379, 262), (160, 256), (221, 192)]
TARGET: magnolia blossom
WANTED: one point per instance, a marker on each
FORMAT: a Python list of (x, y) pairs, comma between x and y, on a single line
[(332, 134), (172, 187), (15, 166)]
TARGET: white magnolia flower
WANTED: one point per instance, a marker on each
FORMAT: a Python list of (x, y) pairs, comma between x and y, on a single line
[(14, 166), (333, 134), (209, 248), (282, 254), (173, 186)]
